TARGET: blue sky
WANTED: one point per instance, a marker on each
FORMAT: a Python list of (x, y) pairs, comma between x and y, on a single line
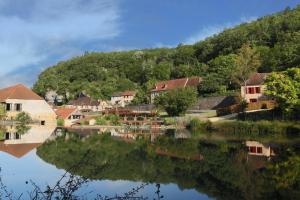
[(36, 34)]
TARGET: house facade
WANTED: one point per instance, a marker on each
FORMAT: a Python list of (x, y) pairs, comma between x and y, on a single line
[(86, 104), (254, 88), (121, 99), (258, 149), (69, 115), (164, 86), (19, 98)]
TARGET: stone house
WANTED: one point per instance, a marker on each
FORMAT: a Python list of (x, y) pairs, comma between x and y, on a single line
[(19, 98), (181, 83), (254, 88), (121, 99)]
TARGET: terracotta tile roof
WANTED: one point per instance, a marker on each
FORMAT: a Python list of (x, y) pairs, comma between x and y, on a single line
[(64, 113), (177, 84), (125, 93), (257, 79), (18, 92), (84, 101), (128, 93), (18, 150)]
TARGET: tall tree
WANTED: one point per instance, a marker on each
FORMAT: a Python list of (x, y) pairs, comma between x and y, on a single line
[(247, 62)]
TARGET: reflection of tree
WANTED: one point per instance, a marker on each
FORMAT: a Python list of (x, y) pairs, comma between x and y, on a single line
[(224, 173), (2, 132), (22, 128)]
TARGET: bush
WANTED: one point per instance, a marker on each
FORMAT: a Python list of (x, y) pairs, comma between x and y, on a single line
[(176, 102), (101, 121), (113, 119), (60, 122), (259, 128), (23, 118)]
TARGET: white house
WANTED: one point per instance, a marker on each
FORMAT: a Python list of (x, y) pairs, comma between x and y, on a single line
[(69, 115), (19, 98), (122, 99), (19, 144)]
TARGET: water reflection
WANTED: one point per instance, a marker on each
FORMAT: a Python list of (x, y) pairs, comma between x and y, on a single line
[(20, 140), (226, 168), (220, 169)]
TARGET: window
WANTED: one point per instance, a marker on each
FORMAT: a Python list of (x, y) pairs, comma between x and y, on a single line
[(43, 123), (251, 90), (257, 89), (17, 136), (18, 107), (8, 107), (259, 149), (7, 135), (252, 149), (253, 100)]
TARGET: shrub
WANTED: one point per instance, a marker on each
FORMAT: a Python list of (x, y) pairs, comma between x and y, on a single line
[(23, 118), (60, 122), (101, 121)]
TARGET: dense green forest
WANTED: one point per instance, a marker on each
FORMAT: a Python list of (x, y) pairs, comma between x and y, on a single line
[(275, 38)]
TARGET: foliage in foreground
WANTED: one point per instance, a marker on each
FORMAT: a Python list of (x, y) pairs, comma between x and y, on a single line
[(176, 102), (285, 88)]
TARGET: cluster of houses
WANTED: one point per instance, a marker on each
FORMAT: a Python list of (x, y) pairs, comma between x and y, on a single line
[(18, 98)]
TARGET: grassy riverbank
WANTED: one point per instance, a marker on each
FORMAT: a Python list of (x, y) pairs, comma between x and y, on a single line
[(253, 128)]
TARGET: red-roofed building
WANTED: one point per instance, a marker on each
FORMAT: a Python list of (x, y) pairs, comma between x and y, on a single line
[(254, 88), (19, 98), (122, 98), (69, 115), (181, 83)]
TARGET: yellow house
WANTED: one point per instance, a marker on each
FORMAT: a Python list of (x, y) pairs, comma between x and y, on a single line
[(19, 98)]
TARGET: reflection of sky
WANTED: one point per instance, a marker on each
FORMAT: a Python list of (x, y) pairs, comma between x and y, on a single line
[(15, 172)]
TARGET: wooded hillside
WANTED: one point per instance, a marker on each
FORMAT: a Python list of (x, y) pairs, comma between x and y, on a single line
[(276, 38)]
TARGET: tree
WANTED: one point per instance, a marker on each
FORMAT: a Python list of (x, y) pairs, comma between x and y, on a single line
[(285, 88), (176, 102), (2, 111), (247, 61), (23, 118)]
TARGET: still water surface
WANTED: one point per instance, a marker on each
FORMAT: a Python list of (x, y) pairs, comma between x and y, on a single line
[(213, 167)]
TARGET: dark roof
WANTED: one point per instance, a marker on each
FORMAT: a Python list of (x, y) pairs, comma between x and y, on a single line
[(84, 101), (257, 79), (177, 84), (18, 92)]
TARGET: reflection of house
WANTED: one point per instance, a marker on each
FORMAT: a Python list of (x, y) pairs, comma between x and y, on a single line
[(19, 144), (259, 149), (122, 98), (163, 86), (84, 103), (69, 115), (19, 98), (254, 89)]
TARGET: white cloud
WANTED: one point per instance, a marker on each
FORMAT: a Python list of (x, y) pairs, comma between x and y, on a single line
[(33, 31), (211, 30)]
